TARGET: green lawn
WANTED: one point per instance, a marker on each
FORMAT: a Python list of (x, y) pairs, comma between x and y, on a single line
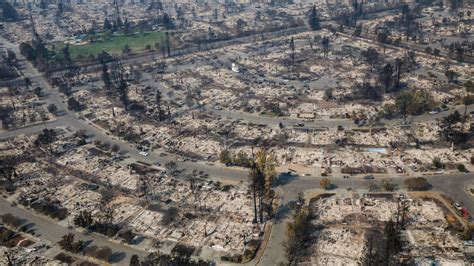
[(114, 44)]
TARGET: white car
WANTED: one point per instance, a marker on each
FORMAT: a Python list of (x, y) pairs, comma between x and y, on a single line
[(433, 112), (144, 153)]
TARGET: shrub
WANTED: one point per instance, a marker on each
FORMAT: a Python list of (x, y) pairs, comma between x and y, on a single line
[(11, 220), (170, 215), (115, 148), (417, 183), (52, 108), (103, 253), (462, 168), (64, 258), (437, 163), (127, 235), (325, 183)]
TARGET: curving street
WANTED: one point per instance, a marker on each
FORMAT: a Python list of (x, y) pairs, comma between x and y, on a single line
[(452, 185)]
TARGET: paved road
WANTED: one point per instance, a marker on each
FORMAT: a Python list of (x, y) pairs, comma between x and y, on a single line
[(29, 130), (52, 232), (452, 185), (69, 119)]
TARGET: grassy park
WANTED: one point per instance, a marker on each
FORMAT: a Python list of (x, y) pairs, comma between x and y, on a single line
[(113, 44)]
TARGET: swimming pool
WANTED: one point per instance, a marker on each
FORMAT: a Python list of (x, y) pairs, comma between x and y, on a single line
[(377, 150)]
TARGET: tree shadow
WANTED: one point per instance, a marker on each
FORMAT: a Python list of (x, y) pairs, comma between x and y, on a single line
[(61, 113), (86, 243), (282, 212), (138, 240), (27, 227), (117, 257), (284, 179)]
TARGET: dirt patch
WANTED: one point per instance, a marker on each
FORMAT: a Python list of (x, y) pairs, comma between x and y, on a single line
[(315, 196)]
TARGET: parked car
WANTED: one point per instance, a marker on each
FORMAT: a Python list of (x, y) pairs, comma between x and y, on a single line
[(144, 153), (298, 125), (405, 123), (434, 111), (457, 205)]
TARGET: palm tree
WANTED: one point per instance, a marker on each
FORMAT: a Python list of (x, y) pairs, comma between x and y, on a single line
[(253, 178), (67, 242)]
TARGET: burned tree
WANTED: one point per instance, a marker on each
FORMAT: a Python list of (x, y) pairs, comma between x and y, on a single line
[(325, 44), (8, 168), (46, 139)]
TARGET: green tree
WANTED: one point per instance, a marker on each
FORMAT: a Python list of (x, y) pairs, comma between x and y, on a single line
[(9, 13), (298, 234), (225, 157), (134, 260), (67, 54), (450, 128), (386, 76), (313, 19), (325, 183), (107, 24)]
